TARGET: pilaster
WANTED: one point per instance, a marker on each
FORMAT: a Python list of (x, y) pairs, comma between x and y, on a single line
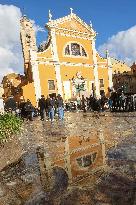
[(67, 160), (102, 143), (109, 66), (56, 61), (96, 78), (35, 74)]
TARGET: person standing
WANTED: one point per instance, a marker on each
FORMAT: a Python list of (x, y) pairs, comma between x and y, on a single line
[(83, 104), (60, 106), (50, 106), (78, 103), (10, 104), (21, 107), (55, 106), (29, 110), (103, 101), (42, 106)]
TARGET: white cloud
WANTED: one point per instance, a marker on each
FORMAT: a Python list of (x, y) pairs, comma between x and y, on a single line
[(122, 45), (10, 47), (11, 57), (37, 28)]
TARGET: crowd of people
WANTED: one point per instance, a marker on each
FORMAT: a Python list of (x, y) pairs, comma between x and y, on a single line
[(117, 102), (54, 106), (51, 107), (47, 108)]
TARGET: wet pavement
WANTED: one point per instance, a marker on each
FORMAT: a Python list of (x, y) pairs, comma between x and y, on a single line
[(89, 158)]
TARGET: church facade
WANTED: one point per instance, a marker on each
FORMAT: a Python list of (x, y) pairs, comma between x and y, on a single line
[(67, 64)]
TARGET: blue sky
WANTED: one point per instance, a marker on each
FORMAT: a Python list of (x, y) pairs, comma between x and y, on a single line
[(108, 16)]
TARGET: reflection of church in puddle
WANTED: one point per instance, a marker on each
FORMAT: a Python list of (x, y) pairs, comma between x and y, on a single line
[(80, 157), (66, 64)]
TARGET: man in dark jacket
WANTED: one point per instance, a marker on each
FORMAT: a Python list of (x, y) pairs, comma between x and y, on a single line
[(29, 109), (42, 106), (21, 107), (10, 104)]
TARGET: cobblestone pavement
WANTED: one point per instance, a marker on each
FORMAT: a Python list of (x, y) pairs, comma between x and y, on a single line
[(22, 174)]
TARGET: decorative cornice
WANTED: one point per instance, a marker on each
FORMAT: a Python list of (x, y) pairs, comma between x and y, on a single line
[(99, 63), (44, 58), (74, 36), (65, 63), (76, 64), (80, 149), (73, 31)]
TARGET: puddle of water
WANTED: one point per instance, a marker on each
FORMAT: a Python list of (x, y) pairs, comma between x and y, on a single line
[(48, 172)]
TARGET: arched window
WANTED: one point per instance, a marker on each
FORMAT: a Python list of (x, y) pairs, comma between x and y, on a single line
[(86, 161), (75, 49), (67, 50), (83, 52)]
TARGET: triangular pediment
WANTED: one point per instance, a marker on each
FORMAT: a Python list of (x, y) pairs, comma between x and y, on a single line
[(71, 22)]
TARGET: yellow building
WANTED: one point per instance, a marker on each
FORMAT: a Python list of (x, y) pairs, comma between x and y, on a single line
[(119, 66), (126, 80), (68, 64), (11, 83)]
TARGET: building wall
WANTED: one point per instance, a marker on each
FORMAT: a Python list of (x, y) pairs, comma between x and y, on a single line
[(29, 93), (127, 82), (103, 74), (68, 72), (46, 72), (45, 54), (62, 41), (119, 67)]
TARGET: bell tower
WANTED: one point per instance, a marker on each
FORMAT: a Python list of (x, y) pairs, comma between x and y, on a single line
[(28, 41), (29, 48)]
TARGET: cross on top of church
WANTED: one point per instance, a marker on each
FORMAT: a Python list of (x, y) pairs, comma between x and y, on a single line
[(50, 16), (71, 10), (91, 25), (107, 53)]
